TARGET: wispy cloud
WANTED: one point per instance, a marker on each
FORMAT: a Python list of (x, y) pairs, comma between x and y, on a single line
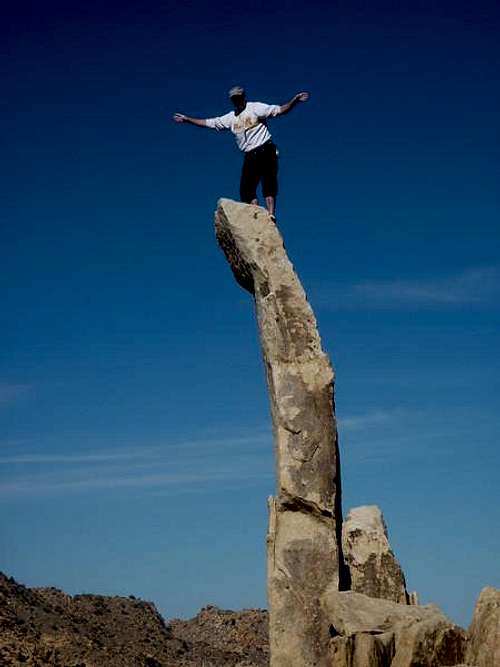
[(244, 457), (372, 418), (479, 286), (50, 459), (11, 392), (401, 434), (39, 484), (173, 449)]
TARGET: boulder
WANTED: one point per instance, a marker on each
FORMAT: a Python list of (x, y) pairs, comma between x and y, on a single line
[(370, 632), (483, 647), (372, 564)]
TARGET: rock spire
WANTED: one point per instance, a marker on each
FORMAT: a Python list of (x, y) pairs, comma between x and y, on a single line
[(305, 522)]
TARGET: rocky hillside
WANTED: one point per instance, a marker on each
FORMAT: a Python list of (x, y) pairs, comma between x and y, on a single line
[(44, 626)]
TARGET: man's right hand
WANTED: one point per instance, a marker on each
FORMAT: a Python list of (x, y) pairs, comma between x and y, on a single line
[(181, 118)]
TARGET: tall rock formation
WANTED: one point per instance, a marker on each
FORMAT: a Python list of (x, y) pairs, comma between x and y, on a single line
[(305, 522), (373, 566)]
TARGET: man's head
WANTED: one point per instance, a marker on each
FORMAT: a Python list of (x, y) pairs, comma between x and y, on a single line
[(238, 97)]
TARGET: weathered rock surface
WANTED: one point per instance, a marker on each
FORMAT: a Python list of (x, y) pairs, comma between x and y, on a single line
[(484, 633), (373, 566), (305, 523), (369, 632)]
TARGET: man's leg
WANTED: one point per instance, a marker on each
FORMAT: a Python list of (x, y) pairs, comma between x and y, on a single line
[(270, 177), (249, 180), (271, 204)]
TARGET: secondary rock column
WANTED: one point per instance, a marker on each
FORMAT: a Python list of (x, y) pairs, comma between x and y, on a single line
[(374, 569), (305, 522)]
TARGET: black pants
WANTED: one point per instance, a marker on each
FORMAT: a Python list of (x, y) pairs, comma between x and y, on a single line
[(259, 165)]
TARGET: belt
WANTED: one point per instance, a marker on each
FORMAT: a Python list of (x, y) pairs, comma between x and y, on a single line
[(259, 148)]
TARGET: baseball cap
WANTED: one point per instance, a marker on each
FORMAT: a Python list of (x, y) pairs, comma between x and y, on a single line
[(236, 90)]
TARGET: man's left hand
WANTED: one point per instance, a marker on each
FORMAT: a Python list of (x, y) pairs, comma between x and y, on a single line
[(302, 97)]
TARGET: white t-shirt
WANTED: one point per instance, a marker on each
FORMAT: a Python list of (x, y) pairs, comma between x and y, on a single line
[(249, 127)]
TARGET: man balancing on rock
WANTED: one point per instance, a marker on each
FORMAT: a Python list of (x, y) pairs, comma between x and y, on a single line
[(248, 122)]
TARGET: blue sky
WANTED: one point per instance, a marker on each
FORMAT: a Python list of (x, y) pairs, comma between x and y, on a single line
[(135, 441)]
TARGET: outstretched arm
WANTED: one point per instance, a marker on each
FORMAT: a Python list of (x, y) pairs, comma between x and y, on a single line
[(181, 118), (300, 97)]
